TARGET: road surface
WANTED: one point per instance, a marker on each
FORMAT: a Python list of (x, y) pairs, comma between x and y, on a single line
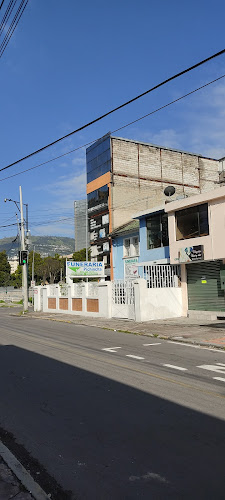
[(112, 415)]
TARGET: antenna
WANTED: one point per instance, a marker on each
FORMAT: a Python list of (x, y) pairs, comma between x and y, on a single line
[(169, 190)]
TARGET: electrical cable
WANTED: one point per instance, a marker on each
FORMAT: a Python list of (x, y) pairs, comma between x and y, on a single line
[(200, 63), (113, 132), (1, 4), (12, 23), (13, 26), (7, 15), (8, 225)]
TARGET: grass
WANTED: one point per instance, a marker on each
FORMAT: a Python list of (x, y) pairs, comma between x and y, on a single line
[(2, 302)]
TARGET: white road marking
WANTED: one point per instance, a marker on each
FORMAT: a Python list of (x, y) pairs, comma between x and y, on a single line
[(213, 368), (219, 378), (111, 349), (176, 367), (185, 344), (156, 343), (132, 356), (220, 364)]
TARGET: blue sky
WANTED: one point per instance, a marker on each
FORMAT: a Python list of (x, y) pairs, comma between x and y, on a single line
[(69, 62)]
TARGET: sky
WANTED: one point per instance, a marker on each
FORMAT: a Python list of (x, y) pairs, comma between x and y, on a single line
[(69, 62)]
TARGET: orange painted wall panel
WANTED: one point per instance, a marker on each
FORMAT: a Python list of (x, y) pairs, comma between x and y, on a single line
[(99, 182)]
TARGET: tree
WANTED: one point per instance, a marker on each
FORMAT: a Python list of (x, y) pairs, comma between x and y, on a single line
[(37, 263), (49, 269), (16, 278), (81, 255), (4, 269)]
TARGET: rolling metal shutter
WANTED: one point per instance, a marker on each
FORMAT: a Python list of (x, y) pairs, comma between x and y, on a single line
[(204, 286)]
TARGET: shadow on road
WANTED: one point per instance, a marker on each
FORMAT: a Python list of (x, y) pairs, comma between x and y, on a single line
[(106, 440)]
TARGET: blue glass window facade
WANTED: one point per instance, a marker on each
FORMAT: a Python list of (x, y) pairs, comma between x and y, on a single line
[(98, 159)]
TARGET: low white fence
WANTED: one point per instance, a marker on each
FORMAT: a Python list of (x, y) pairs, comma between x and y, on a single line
[(86, 299), (111, 299)]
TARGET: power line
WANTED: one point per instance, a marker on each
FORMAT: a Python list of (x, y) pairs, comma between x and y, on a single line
[(13, 26), (7, 15), (8, 225), (1, 4), (113, 132), (200, 63)]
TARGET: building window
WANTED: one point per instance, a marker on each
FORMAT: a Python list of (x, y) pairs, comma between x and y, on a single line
[(135, 245), (131, 247), (192, 222), (157, 231)]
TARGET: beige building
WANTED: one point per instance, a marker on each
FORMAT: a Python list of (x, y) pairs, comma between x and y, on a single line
[(14, 262), (126, 176), (197, 241)]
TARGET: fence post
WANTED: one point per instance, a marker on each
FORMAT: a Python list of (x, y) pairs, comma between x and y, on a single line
[(69, 299), (37, 299), (84, 298), (140, 286), (45, 299), (105, 299)]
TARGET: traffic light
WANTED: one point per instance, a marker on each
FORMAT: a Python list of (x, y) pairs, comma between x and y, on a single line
[(23, 257)]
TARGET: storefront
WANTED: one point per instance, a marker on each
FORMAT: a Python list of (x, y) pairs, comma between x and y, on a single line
[(196, 239), (205, 286)]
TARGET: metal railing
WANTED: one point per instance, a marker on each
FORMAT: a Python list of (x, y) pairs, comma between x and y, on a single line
[(162, 275)]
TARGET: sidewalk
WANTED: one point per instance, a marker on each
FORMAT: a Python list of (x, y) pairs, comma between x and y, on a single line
[(205, 332), (10, 487)]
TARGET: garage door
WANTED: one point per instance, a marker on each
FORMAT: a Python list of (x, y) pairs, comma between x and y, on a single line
[(204, 286)]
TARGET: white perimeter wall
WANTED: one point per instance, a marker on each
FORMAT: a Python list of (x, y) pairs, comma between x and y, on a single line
[(157, 303)]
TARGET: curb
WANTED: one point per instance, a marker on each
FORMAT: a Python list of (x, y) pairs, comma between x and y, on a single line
[(20, 472), (162, 337)]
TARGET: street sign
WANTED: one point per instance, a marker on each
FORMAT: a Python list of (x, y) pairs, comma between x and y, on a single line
[(85, 269), (32, 283)]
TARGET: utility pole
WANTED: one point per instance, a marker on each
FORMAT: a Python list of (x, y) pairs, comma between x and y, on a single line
[(24, 267), (33, 265)]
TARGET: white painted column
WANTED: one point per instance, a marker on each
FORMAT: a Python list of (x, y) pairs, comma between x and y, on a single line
[(45, 299), (184, 289), (69, 299), (37, 298)]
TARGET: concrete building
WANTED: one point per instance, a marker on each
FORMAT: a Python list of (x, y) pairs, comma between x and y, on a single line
[(126, 176), (197, 242), (126, 251), (13, 262), (80, 222)]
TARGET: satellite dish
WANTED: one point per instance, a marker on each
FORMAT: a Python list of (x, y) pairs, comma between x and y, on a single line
[(169, 190)]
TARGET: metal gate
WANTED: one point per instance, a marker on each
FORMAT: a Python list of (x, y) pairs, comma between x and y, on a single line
[(204, 286), (123, 299)]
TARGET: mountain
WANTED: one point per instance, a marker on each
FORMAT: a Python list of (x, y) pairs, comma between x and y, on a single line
[(45, 245)]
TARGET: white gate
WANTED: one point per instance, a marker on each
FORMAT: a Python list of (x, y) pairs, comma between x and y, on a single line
[(123, 299)]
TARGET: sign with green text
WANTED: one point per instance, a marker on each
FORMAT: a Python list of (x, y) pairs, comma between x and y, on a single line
[(84, 269)]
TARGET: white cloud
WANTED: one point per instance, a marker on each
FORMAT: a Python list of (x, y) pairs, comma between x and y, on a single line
[(197, 124)]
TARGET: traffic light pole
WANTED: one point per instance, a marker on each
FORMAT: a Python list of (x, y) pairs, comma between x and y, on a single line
[(24, 267)]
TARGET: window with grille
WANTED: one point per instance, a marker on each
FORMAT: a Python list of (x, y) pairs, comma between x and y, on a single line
[(157, 231), (131, 247), (126, 248)]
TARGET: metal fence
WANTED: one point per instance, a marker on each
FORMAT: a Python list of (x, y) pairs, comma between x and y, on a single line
[(123, 292), (162, 275)]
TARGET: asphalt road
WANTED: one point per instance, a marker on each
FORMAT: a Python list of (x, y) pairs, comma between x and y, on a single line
[(112, 415)]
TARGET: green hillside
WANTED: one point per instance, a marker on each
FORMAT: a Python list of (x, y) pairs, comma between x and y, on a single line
[(45, 245)]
